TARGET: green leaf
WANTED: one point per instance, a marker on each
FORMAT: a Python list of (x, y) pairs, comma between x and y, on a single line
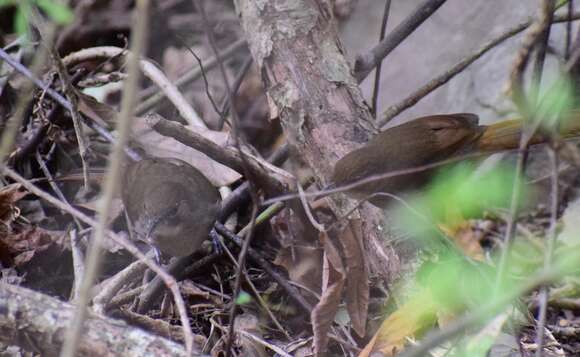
[(558, 100), (456, 283), (7, 2), (462, 191), (243, 299), (20, 21), (59, 13), (455, 195)]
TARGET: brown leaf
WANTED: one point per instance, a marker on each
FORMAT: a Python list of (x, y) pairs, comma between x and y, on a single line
[(357, 283), (9, 195), (323, 313), (300, 253), (100, 113), (34, 240), (157, 145)]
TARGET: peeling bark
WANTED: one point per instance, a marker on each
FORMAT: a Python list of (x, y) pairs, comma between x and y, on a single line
[(37, 323), (310, 87)]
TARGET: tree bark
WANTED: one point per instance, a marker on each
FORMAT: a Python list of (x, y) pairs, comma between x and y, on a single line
[(37, 323), (310, 87)]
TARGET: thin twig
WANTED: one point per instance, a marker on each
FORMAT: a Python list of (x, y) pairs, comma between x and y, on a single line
[(319, 227), (365, 63), (13, 124), (179, 268), (203, 75), (75, 116), (262, 342), (150, 70), (69, 92), (542, 44), (78, 263), (247, 173), (535, 34), (265, 265), (380, 64), (256, 293), (71, 95), (549, 254), (60, 100), (54, 186), (272, 178), (238, 282), (155, 96), (73, 334), (447, 75), (376, 177), (568, 30), (516, 79), (548, 15), (114, 284), (225, 107)]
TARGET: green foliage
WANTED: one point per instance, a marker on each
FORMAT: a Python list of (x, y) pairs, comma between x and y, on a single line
[(556, 101), (455, 195), (56, 11), (457, 283), (243, 298), (460, 189)]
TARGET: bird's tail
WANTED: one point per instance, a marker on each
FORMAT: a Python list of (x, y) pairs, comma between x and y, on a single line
[(505, 135)]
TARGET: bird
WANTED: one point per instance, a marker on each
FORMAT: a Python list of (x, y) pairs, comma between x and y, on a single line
[(423, 142), (170, 204)]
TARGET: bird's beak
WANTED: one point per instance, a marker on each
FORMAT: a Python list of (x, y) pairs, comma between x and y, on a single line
[(151, 225), (150, 228)]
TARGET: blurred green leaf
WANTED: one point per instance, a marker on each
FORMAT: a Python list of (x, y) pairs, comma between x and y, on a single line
[(59, 13), (457, 283), (7, 2), (460, 193), (243, 298), (455, 195), (20, 21), (558, 100), (481, 348), (525, 258)]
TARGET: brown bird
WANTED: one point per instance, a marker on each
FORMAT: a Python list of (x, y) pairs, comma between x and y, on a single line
[(170, 204), (425, 141)]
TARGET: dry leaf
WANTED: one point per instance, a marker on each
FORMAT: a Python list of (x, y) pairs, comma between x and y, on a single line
[(32, 241), (100, 113), (414, 316), (323, 313), (357, 283), (300, 255), (157, 145), (9, 195)]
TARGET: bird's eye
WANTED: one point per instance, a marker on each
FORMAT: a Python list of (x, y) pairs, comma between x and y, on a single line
[(439, 128), (172, 212)]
